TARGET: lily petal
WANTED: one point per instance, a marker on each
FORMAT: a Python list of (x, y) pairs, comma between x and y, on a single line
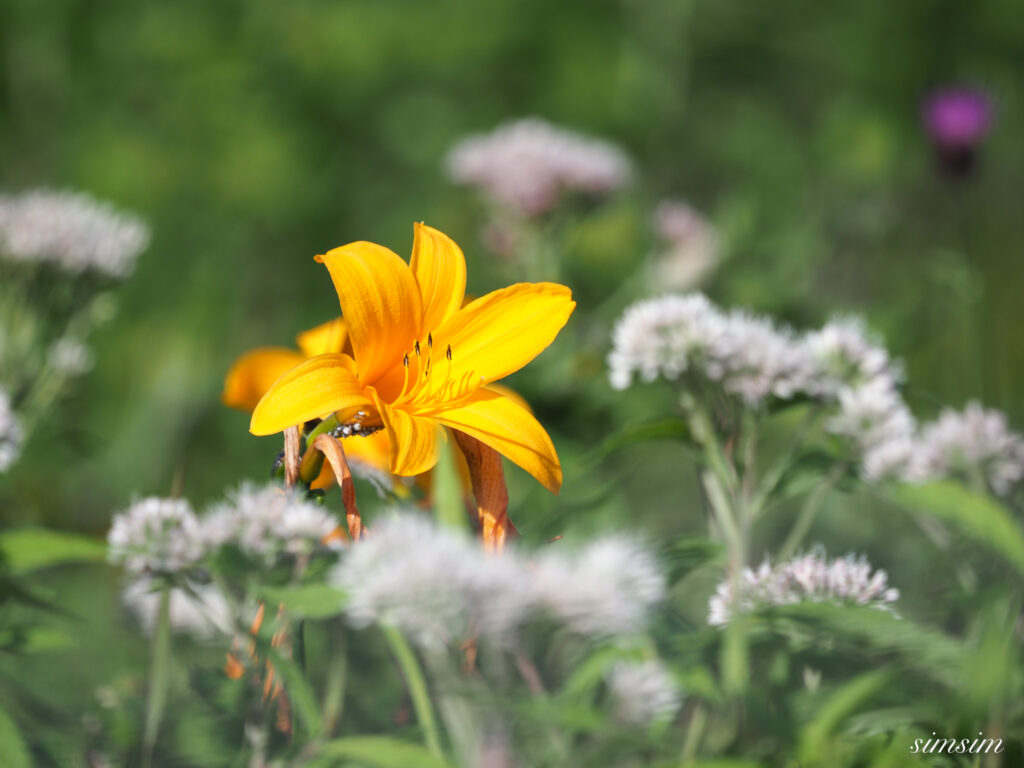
[(326, 337), (501, 332), (510, 429), (312, 389), (413, 440), (440, 270), (252, 374), (380, 301)]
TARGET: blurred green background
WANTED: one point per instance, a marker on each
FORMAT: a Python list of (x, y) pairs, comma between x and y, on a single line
[(255, 135)]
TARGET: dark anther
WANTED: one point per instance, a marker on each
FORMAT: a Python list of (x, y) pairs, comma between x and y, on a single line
[(405, 360), (448, 353), (430, 341), (416, 346)]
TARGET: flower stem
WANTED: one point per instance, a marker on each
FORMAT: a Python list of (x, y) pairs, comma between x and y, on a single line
[(417, 687), (159, 676), (809, 511)]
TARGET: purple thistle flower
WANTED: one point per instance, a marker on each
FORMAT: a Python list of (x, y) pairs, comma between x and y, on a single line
[(957, 119)]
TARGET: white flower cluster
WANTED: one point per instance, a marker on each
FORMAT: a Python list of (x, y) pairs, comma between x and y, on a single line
[(70, 357), (840, 365), (441, 587), (527, 165), (267, 522), (164, 536), (806, 578), (11, 435), (973, 443), (747, 356), (72, 231), (198, 610), (156, 536), (643, 692), (608, 587), (690, 247)]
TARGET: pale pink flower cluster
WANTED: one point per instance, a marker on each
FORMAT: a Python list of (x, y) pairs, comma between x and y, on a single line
[(689, 247), (807, 578), (973, 443), (527, 166), (72, 231)]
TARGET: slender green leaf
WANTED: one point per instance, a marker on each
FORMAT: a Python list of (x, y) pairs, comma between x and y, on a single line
[(843, 703), (377, 752), (980, 517), (932, 653), (27, 549), (300, 692), (662, 429), (416, 684), (13, 750), (308, 601)]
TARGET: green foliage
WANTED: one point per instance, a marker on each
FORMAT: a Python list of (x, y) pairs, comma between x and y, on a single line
[(28, 549), (979, 517), (252, 136)]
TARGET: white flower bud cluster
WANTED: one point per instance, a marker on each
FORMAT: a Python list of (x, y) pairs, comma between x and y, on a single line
[(840, 365), (268, 522), (156, 536), (975, 443), (528, 165), (747, 356), (643, 692), (72, 231), (11, 434), (806, 578), (164, 536), (441, 587)]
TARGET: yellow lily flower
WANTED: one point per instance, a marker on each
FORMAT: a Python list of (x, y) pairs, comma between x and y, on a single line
[(422, 361), (252, 374)]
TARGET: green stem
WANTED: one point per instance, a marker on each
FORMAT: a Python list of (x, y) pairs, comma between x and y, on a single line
[(808, 512), (417, 687), (159, 676)]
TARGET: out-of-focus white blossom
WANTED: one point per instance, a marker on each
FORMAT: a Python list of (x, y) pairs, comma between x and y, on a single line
[(748, 356), (11, 435), (689, 250), (607, 588), (70, 357), (440, 587), (975, 442), (156, 536), (806, 578), (529, 164), (875, 418), (71, 230), (267, 522), (643, 692), (199, 610), (432, 583), (847, 356)]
